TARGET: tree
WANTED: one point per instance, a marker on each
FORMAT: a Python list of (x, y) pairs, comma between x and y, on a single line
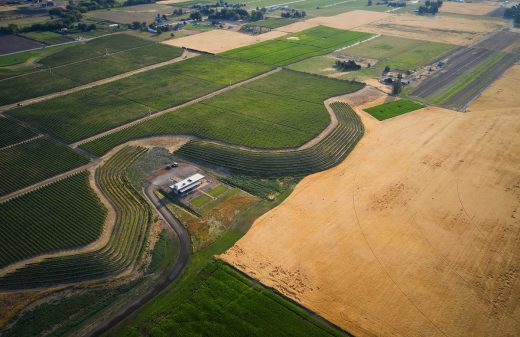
[(195, 16), (397, 85), (386, 70), (369, 3)]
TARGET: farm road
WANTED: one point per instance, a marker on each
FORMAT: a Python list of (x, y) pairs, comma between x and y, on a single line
[(175, 273), (185, 55), (162, 112)]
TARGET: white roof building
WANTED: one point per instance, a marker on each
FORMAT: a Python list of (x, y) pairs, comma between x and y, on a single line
[(187, 184)]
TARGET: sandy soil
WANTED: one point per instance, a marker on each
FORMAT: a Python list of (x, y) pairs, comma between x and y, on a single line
[(416, 233), (444, 29), (480, 8), (219, 40)]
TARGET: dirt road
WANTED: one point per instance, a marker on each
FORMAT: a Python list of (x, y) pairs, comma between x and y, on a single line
[(178, 267), (416, 233), (185, 55)]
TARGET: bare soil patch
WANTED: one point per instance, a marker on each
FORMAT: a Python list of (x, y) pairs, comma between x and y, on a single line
[(219, 40), (416, 233), (14, 43), (466, 8), (444, 29)]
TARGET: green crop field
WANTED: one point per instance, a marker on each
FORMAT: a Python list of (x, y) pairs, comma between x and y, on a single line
[(34, 161), (399, 53), (296, 47), (126, 243), (48, 37), (392, 109), (12, 133), (326, 154), (66, 214), (282, 110), (226, 303), (79, 64), (270, 23), (88, 112)]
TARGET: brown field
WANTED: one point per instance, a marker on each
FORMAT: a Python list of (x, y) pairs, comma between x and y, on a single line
[(480, 8), (444, 29), (416, 233), (127, 15), (219, 40), (346, 20)]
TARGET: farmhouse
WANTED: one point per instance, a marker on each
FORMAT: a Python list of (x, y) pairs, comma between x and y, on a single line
[(187, 184)]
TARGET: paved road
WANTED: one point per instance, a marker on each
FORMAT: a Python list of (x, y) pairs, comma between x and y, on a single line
[(185, 55), (175, 273)]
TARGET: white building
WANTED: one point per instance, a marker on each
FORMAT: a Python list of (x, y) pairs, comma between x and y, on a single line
[(187, 184)]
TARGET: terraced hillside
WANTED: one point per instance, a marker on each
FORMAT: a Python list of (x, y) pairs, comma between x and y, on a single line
[(326, 154), (64, 215), (282, 110), (125, 245), (85, 113), (34, 161), (80, 64), (296, 47)]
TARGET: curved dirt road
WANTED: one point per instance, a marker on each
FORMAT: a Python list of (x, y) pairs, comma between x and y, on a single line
[(175, 273)]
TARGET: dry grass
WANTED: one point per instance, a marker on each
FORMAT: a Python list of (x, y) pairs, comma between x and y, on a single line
[(465, 8), (416, 233)]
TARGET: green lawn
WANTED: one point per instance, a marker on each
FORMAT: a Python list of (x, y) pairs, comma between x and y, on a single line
[(282, 110), (399, 53), (392, 109), (79, 64), (218, 190), (201, 200), (296, 47), (88, 112)]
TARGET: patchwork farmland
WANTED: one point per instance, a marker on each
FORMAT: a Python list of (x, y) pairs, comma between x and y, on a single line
[(187, 188)]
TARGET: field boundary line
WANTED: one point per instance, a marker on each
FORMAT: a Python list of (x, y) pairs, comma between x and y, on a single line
[(177, 107), (47, 181), (185, 55), (22, 142)]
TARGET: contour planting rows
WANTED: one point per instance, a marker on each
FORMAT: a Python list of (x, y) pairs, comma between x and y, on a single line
[(64, 215), (34, 161), (12, 133), (282, 110), (326, 154), (88, 112), (125, 245), (296, 47), (80, 64)]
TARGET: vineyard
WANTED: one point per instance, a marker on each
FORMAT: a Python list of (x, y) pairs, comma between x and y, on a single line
[(125, 245), (297, 47), (282, 110), (85, 113), (326, 154), (64, 215), (263, 188), (12, 133), (34, 161), (83, 63)]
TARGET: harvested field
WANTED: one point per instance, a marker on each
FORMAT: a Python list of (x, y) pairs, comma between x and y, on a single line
[(422, 219), (127, 15), (478, 8), (14, 43), (219, 40), (444, 29)]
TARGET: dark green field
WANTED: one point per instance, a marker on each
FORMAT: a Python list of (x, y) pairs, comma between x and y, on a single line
[(392, 109), (282, 110), (88, 112), (32, 162), (80, 64), (63, 215), (296, 47), (12, 133)]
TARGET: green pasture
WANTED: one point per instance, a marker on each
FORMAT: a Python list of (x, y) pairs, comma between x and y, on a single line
[(64, 215), (218, 190), (201, 200), (88, 112), (34, 161), (282, 110), (392, 109), (296, 47), (79, 64)]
